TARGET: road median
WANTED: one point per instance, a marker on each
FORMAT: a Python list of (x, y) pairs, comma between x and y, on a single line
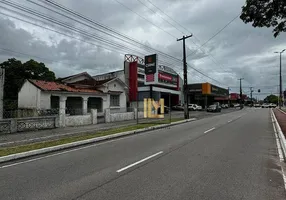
[(23, 151)]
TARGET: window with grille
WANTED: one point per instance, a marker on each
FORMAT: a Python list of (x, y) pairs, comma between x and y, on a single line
[(114, 100)]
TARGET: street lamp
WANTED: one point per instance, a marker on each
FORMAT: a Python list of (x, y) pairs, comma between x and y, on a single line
[(280, 81)]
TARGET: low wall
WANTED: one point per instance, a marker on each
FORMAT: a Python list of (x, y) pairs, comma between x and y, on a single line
[(27, 124), (78, 120), (122, 116)]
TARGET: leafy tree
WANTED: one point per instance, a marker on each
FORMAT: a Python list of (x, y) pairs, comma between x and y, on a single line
[(271, 99), (15, 74), (265, 13)]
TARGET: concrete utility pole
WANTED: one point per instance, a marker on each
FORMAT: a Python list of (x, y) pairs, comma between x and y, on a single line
[(240, 92), (251, 91), (228, 97), (2, 80), (280, 80), (186, 110)]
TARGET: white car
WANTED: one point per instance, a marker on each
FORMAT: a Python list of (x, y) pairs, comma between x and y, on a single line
[(192, 107), (265, 105), (198, 108)]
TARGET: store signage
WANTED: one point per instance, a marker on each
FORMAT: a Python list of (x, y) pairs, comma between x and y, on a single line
[(167, 78), (151, 64), (151, 71)]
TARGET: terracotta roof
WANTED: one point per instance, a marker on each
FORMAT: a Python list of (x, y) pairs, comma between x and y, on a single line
[(54, 86)]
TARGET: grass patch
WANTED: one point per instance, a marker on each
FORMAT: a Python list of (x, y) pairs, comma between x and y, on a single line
[(40, 145)]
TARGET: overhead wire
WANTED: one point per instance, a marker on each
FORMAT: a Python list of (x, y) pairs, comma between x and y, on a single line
[(214, 60), (180, 61), (55, 4)]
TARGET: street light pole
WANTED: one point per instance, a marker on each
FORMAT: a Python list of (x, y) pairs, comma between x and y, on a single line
[(240, 92), (251, 91), (186, 110), (280, 78)]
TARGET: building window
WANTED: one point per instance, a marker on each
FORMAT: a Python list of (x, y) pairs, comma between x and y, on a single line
[(114, 100)]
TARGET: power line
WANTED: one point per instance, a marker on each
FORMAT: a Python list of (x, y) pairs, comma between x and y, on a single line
[(49, 18), (212, 37), (199, 47), (160, 16), (145, 18)]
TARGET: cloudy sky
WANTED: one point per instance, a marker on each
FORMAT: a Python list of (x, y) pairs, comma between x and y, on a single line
[(119, 27)]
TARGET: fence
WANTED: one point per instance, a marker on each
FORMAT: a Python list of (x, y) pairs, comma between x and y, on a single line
[(28, 124), (21, 113)]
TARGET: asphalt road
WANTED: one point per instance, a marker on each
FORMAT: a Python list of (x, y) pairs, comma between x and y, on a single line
[(21, 138), (230, 156)]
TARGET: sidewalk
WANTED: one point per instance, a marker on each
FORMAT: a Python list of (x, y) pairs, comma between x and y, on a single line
[(281, 118), (8, 140)]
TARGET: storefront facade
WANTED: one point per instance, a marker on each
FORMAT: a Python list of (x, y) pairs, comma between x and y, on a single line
[(205, 94)]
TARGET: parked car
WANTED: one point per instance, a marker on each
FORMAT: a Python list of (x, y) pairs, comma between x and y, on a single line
[(214, 108), (192, 107), (198, 108), (178, 107), (257, 105), (272, 105), (166, 110), (265, 105)]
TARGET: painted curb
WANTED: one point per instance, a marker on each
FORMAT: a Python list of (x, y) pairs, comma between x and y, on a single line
[(88, 141), (280, 134)]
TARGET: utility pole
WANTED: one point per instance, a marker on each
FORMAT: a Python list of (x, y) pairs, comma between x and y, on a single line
[(240, 92), (186, 110), (228, 97), (280, 79), (251, 91), (2, 81)]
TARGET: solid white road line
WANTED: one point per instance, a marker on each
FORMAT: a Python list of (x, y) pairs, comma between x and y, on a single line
[(210, 130), (57, 154), (138, 162), (229, 121)]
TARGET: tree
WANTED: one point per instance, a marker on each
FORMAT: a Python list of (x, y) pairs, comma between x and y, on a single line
[(271, 99), (265, 13), (15, 74)]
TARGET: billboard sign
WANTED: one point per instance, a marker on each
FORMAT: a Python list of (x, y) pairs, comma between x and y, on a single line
[(151, 108), (151, 69), (167, 78)]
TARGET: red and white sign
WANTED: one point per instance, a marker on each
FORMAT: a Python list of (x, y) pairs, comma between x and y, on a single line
[(165, 77)]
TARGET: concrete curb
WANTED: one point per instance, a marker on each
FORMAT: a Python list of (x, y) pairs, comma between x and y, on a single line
[(88, 141), (280, 134)]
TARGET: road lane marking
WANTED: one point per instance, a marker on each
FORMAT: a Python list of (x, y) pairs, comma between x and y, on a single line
[(57, 154), (210, 130), (229, 121), (138, 162)]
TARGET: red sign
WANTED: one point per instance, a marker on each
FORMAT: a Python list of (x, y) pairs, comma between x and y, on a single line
[(165, 77)]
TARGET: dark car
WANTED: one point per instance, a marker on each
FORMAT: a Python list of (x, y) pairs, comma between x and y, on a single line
[(214, 108), (166, 110), (179, 107)]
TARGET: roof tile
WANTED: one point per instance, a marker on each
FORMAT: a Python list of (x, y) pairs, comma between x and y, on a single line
[(54, 86)]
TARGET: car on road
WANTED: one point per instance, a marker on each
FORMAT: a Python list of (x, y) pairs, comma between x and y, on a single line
[(192, 107), (179, 107), (272, 105), (198, 108), (257, 105), (214, 108), (265, 105), (166, 110)]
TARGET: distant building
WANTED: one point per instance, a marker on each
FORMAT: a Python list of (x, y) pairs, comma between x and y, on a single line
[(133, 74), (205, 94)]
